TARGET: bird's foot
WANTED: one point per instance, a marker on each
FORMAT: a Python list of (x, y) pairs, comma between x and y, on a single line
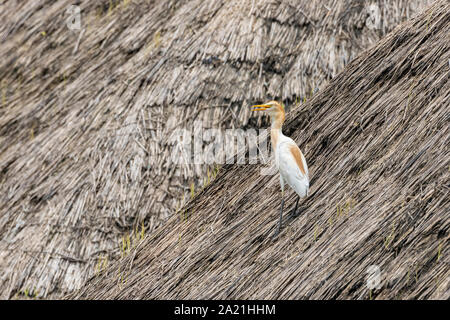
[(294, 213), (277, 233)]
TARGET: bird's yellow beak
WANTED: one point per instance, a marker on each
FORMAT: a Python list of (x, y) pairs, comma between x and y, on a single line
[(260, 107)]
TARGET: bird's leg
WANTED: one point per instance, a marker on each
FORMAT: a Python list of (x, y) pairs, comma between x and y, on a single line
[(296, 205), (281, 213)]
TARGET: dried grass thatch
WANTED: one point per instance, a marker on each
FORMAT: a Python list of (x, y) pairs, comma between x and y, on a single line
[(377, 141), (80, 110)]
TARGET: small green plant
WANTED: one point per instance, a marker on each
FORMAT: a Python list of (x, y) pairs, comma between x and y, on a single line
[(115, 4), (439, 252), (208, 176), (216, 171), (338, 210), (415, 266), (316, 232), (344, 209), (192, 190), (127, 242), (111, 7), (181, 203), (4, 90), (330, 221), (142, 231), (33, 127), (122, 277), (157, 38), (416, 276), (130, 241), (102, 264), (32, 294), (98, 13), (184, 215), (429, 18), (390, 237), (19, 84)]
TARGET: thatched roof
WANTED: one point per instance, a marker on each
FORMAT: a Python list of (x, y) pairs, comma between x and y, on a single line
[(377, 142), (81, 111)]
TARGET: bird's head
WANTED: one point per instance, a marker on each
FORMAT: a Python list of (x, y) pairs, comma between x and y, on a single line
[(274, 110)]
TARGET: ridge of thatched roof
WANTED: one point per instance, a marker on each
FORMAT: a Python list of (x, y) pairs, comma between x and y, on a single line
[(80, 110), (376, 139)]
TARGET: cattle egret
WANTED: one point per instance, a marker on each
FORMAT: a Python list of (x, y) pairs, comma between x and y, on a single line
[(289, 160)]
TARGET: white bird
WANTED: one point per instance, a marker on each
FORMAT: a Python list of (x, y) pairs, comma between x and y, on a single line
[(289, 159)]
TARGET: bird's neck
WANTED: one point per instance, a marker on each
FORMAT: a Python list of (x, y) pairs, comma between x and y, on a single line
[(275, 135), (277, 121), (275, 131)]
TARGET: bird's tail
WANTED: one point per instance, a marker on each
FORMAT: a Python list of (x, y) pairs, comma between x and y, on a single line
[(310, 184)]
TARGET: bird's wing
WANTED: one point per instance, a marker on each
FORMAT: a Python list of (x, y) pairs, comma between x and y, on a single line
[(291, 150), (304, 162), (293, 168)]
